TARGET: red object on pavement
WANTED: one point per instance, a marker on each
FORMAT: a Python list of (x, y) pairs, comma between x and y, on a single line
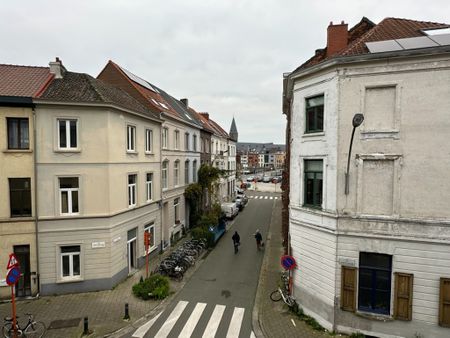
[(12, 262)]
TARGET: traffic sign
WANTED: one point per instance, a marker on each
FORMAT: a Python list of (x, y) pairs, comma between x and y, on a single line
[(12, 261), (288, 262), (13, 276)]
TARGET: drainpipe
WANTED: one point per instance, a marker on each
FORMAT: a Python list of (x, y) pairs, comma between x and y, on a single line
[(161, 204), (36, 227)]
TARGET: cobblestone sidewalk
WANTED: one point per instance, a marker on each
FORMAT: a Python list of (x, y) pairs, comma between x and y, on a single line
[(105, 309), (272, 319)]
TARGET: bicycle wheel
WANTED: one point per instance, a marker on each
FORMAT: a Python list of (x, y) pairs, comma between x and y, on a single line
[(275, 296), (7, 330), (35, 330)]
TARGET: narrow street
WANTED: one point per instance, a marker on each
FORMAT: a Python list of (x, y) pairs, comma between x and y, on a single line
[(218, 300)]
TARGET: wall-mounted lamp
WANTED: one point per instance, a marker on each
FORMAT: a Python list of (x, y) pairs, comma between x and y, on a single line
[(357, 120)]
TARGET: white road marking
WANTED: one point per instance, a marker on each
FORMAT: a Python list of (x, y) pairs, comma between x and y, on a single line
[(276, 198), (141, 331), (170, 322), (266, 197), (293, 323), (192, 321), (236, 322), (214, 321), (252, 335), (271, 197), (261, 197)]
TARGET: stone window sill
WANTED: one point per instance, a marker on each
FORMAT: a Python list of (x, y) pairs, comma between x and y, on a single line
[(14, 151)]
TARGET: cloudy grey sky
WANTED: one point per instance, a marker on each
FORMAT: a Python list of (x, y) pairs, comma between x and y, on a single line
[(226, 56)]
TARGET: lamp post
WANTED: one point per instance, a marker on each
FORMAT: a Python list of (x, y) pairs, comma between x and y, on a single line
[(357, 120)]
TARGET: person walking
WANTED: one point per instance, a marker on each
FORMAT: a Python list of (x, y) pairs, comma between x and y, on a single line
[(258, 238), (236, 241)]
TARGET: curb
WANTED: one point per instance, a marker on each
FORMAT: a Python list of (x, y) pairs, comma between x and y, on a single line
[(257, 327)]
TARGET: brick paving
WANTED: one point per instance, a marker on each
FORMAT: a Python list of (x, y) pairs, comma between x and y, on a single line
[(105, 309), (273, 319)]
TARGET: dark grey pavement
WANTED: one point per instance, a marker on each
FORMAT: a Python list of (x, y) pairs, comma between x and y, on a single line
[(225, 282)]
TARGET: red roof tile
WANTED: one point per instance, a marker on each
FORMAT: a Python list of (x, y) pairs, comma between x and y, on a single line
[(23, 80), (367, 31)]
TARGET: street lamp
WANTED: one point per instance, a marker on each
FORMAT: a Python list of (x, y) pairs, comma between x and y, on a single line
[(357, 120)]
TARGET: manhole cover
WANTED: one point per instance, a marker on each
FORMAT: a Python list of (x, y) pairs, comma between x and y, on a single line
[(63, 323)]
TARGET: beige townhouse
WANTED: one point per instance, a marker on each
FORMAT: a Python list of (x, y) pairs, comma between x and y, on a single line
[(98, 170), (180, 145), (18, 84)]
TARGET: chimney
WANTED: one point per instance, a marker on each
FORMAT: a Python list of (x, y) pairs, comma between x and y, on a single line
[(57, 68), (205, 115), (185, 102), (337, 38)]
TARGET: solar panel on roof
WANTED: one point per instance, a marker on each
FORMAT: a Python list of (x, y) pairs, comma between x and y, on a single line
[(437, 31), (417, 42), (138, 80), (443, 40), (383, 46)]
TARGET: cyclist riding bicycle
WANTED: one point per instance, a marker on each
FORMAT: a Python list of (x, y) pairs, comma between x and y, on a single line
[(236, 241)]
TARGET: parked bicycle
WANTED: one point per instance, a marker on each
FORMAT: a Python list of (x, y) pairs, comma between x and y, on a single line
[(283, 292), (32, 328)]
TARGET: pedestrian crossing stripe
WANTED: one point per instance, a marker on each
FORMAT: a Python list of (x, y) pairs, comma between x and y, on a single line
[(263, 197), (233, 330)]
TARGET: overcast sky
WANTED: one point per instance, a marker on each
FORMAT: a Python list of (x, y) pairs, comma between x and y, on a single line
[(226, 56)]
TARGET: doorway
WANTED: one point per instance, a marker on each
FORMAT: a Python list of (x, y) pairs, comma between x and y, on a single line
[(132, 250), (23, 287)]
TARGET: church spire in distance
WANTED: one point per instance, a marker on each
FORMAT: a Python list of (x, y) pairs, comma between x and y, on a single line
[(233, 131)]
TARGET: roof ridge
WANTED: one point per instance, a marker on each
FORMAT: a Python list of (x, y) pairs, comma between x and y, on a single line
[(91, 80), (23, 66), (412, 20)]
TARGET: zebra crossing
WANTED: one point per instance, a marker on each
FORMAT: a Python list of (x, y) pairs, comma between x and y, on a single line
[(261, 197), (170, 327)]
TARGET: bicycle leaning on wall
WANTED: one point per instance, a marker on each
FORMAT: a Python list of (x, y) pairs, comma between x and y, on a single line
[(283, 291), (32, 328)]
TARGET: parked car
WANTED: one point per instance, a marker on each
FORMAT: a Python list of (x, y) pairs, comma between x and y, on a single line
[(239, 190), (277, 179), (267, 179), (258, 178), (241, 201), (246, 171), (250, 178), (230, 209)]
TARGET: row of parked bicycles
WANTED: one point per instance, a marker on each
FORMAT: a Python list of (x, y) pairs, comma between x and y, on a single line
[(176, 264)]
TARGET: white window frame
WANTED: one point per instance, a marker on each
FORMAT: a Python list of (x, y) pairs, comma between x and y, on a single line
[(186, 141), (67, 120), (164, 174), (177, 139), (194, 171), (186, 172), (69, 197), (132, 193), (176, 210), (147, 228), (165, 138), (194, 142), (70, 254), (131, 138), (148, 141), (149, 187), (176, 173)]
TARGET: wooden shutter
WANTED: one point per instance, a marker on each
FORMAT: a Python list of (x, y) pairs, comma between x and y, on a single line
[(348, 288), (403, 295), (444, 302)]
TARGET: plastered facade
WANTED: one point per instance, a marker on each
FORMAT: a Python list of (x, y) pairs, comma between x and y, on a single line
[(398, 188)]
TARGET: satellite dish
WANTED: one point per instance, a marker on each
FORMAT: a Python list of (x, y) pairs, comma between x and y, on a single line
[(357, 120)]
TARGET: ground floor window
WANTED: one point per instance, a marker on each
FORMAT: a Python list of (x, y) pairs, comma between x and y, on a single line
[(70, 261), (150, 228), (374, 287)]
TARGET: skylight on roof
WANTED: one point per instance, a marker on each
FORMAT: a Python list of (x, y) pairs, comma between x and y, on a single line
[(188, 116), (164, 105), (437, 31)]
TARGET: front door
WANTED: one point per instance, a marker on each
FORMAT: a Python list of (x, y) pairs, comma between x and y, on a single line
[(23, 287), (131, 250)]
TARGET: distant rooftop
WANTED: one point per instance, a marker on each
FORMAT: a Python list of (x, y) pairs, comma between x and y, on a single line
[(252, 147)]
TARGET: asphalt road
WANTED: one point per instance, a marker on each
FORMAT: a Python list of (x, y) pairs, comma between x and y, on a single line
[(220, 295)]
